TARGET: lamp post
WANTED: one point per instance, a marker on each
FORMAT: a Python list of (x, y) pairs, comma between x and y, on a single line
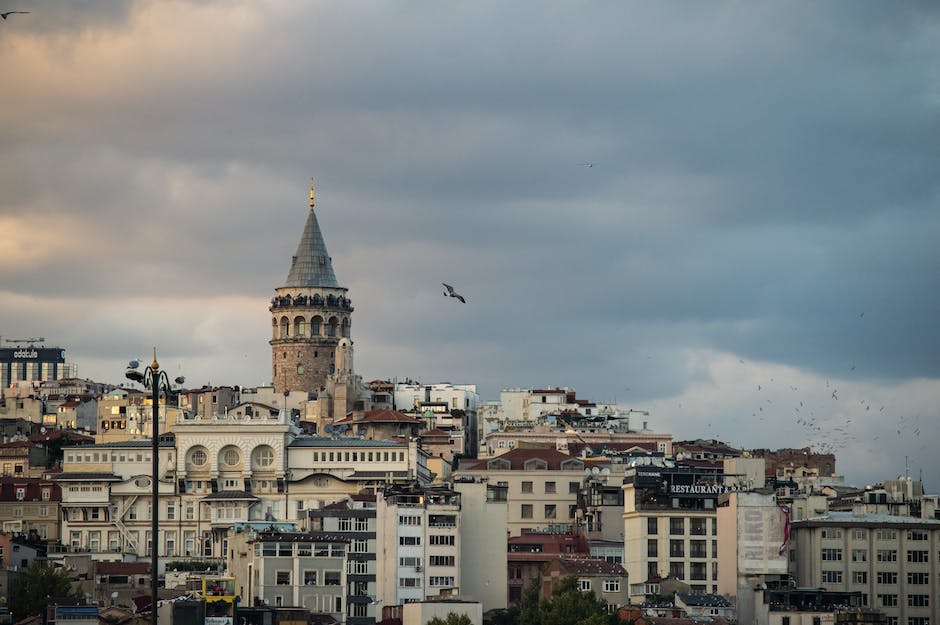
[(155, 380)]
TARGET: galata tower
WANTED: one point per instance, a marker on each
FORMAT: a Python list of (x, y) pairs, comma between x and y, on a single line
[(309, 315)]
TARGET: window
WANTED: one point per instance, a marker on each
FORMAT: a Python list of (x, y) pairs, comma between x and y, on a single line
[(860, 555), (310, 578), (888, 601), (527, 487), (918, 601), (231, 457), (917, 556), (832, 533), (918, 620), (831, 555), (887, 577), (677, 570), (304, 550), (441, 561), (676, 525), (550, 511), (359, 545), (409, 582), (859, 577), (652, 526), (574, 488), (409, 540), (698, 526), (171, 510), (916, 534), (331, 578), (918, 578), (584, 584), (677, 548), (198, 457), (886, 534), (436, 539), (526, 511), (445, 582), (832, 577), (886, 555), (409, 520), (859, 534), (282, 578), (652, 548), (549, 488), (362, 525), (345, 525), (611, 585)]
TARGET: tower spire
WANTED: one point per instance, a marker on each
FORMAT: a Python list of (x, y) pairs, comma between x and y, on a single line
[(311, 265)]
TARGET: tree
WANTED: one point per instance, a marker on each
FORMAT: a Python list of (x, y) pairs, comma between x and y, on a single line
[(33, 588), (571, 606), (452, 619)]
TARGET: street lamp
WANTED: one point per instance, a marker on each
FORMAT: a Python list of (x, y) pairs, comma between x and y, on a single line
[(155, 380)]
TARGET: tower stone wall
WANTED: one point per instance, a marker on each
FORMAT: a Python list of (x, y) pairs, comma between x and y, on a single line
[(306, 325)]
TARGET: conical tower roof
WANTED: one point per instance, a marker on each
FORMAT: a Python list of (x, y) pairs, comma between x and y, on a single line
[(311, 265)]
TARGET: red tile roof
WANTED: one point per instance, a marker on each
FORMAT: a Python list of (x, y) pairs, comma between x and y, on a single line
[(381, 416), (121, 568), (518, 457)]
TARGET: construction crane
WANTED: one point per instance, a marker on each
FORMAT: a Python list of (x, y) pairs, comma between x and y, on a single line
[(30, 341)]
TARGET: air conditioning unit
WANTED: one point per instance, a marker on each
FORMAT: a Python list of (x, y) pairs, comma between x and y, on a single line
[(418, 569)]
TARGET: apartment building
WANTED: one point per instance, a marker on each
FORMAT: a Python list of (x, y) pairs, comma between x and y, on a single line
[(30, 506), (106, 503), (670, 525), (542, 487), (354, 519), (418, 543), (893, 561), (296, 569)]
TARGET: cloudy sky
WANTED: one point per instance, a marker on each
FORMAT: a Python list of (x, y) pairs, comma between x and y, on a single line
[(753, 255)]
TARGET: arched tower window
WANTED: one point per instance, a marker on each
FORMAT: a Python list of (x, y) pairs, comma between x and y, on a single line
[(285, 328), (300, 326), (344, 332), (315, 324), (331, 327)]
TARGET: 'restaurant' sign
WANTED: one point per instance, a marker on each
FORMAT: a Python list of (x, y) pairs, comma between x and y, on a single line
[(697, 489)]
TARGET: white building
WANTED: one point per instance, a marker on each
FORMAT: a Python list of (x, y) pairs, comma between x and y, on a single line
[(418, 544)]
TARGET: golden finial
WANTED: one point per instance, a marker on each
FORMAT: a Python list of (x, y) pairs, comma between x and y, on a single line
[(155, 366), (311, 193)]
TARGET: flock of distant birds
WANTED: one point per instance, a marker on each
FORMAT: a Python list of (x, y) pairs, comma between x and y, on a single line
[(827, 433)]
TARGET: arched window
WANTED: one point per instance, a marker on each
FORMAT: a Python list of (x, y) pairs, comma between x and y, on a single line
[(197, 457), (331, 327), (273, 328), (230, 457), (300, 326), (285, 328), (262, 457), (344, 330), (315, 325)]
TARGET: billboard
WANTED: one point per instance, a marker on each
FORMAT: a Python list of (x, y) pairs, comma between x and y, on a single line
[(32, 354)]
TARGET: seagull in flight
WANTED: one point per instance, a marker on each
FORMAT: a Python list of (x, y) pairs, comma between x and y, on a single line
[(450, 292), (586, 164), (4, 15)]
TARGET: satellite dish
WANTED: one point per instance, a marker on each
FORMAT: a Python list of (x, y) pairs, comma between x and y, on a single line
[(605, 471), (587, 472), (596, 471)]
